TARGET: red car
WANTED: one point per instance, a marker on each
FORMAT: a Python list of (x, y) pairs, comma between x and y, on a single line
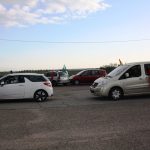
[(87, 76)]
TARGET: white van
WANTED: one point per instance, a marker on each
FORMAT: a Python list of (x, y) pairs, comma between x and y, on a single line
[(128, 79)]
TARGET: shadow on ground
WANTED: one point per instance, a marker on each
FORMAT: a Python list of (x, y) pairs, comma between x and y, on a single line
[(126, 98), (17, 100)]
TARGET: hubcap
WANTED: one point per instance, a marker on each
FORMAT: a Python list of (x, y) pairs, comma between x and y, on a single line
[(116, 94), (76, 82), (40, 96)]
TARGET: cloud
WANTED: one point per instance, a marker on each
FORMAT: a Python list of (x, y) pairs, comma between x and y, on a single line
[(23, 13)]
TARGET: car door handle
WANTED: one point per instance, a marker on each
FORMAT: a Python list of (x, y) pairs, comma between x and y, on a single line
[(21, 85), (140, 78)]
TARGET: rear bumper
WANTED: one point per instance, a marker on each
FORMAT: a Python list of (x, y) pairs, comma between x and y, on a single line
[(50, 92)]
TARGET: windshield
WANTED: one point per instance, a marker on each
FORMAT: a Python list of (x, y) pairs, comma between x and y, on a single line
[(80, 72), (1, 77), (117, 71), (63, 74)]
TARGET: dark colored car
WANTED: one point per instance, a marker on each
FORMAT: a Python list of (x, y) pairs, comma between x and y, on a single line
[(87, 76)]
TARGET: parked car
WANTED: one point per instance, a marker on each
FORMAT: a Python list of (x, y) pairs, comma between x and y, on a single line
[(87, 76), (58, 77), (128, 79), (25, 85)]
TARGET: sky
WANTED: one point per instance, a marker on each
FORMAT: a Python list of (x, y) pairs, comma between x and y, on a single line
[(46, 34)]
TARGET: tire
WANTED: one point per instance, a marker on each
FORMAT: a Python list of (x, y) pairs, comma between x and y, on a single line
[(54, 83), (65, 84), (76, 82), (40, 96), (116, 93)]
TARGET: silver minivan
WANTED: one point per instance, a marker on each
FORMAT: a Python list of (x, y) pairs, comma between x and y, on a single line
[(128, 79)]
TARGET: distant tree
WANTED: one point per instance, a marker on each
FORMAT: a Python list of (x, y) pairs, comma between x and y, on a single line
[(110, 67)]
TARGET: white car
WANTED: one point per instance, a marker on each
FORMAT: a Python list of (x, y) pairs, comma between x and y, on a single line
[(24, 86)]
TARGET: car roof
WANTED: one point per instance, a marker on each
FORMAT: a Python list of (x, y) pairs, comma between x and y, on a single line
[(137, 63), (25, 74), (92, 69)]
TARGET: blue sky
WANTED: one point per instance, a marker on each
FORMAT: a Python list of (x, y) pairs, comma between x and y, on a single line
[(94, 32)]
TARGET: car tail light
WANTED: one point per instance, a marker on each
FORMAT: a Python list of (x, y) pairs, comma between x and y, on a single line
[(47, 84)]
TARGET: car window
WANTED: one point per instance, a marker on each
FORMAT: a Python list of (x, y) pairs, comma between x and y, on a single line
[(86, 73), (133, 72), (13, 79), (21, 79), (63, 74), (80, 73), (35, 78), (147, 69), (95, 72), (10, 80)]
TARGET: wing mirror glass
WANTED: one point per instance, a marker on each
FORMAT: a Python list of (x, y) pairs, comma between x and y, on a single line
[(127, 75)]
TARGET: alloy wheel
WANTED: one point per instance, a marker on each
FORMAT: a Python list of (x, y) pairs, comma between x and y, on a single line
[(40, 96)]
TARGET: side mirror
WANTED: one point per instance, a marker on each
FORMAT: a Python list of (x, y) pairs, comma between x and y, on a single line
[(127, 75), (2, 83)]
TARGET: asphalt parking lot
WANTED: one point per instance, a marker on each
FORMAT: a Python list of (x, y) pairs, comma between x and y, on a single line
[(75, 120)]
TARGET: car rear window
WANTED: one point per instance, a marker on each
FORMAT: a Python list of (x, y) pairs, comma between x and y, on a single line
[(35, 78), (63, 74)]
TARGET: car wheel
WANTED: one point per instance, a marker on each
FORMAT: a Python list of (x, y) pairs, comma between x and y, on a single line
[(116, 93), (54, 83), (76, 82), (65, 84), (40, 95)]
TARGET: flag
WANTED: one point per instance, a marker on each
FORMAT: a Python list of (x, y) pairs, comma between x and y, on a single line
[(120, 62), (65, 70)]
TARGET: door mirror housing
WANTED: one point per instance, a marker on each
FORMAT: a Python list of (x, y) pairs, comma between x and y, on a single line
[(2, 83)]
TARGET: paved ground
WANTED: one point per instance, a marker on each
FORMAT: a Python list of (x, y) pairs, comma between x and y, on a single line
[(75, 120)]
